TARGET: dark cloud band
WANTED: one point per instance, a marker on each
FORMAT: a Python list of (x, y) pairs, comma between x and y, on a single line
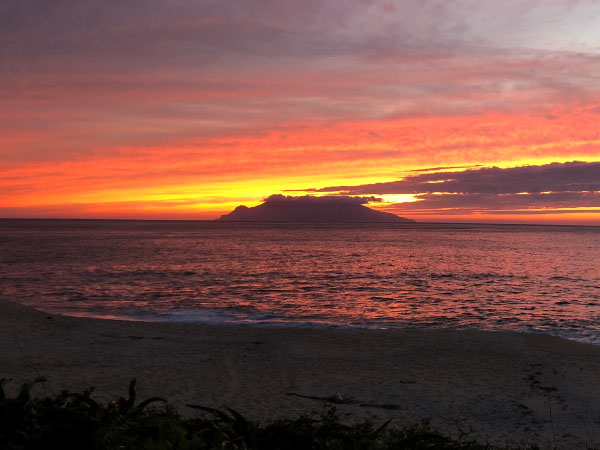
[(556, 177), (558, 185), (327, 199)]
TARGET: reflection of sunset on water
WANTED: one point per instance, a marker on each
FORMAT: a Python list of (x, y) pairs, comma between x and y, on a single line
[(524, 278)]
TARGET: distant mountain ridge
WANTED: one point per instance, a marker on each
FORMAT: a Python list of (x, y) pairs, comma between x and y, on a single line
[(310, 209)]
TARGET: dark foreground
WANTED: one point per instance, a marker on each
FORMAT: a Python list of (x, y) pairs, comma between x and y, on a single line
[(501, 388), (76, 421)]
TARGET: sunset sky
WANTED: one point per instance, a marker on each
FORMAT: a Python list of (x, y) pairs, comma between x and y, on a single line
[(449, 110)]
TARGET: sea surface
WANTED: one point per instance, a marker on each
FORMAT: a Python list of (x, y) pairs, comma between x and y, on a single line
[(491, 277)]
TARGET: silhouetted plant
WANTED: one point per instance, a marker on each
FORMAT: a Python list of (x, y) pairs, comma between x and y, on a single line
[(70, 421)]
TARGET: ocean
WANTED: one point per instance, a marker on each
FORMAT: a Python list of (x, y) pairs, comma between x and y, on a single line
[(491, 277)]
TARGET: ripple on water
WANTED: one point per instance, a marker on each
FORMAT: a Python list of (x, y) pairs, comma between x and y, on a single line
[(494, 278)]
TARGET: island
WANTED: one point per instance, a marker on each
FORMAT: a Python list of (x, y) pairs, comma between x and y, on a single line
[(312, 209)]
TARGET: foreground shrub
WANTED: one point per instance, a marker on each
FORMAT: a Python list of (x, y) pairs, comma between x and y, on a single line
[(76, 421)]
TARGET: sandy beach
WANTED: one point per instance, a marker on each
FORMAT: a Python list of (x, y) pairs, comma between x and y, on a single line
[(506, 387)]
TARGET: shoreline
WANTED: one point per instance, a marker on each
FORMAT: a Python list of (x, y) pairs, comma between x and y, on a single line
[(506, 386), (567, 335)]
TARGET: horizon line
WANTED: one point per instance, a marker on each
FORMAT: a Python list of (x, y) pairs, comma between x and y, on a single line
[(415, 222)]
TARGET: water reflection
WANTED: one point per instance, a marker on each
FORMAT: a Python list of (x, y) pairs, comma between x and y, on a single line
[(487, 277)]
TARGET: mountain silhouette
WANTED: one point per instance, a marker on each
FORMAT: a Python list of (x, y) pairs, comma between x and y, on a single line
[(328, 209)]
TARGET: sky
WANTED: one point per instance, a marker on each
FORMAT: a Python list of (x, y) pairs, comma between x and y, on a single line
[(449, 110)]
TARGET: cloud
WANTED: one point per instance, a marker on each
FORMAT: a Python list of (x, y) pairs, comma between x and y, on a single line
[(97, 74), (551, 186), (556, 177), (321, 200), (437, 169), (507, 202)]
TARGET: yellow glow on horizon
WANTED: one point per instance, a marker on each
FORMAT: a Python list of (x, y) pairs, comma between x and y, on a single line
[(211, 175), (389, 199)]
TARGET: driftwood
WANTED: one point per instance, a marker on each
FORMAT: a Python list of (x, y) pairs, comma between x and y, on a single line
[(338, 399)]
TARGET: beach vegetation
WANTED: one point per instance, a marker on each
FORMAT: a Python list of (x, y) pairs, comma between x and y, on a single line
[(70, 421)]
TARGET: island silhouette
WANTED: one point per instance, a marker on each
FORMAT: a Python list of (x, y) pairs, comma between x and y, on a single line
[(312, 209)]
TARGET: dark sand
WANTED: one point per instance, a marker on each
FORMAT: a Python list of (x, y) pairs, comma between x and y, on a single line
[(507, 387)]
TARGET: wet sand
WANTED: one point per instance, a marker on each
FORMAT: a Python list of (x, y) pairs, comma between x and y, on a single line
[(506, 387)]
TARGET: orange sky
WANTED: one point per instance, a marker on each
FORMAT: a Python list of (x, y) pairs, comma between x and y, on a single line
[(135, 111)]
